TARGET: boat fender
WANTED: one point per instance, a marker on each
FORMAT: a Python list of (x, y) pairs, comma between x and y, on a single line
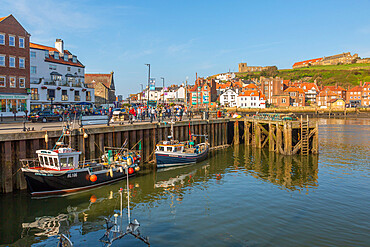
[(93, 178), (111, 173), (137, 169), (130, 170), (120, 169)]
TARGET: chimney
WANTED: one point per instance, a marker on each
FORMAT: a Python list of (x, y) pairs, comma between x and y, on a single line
[(59, 45), (336, 85), (360, 83)]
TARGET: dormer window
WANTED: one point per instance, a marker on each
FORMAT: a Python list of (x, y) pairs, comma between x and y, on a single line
[(74, 59), (56, 55), (46, 54), (66, 57)]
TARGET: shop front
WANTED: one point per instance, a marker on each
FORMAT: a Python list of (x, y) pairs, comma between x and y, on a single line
[(14, 103)]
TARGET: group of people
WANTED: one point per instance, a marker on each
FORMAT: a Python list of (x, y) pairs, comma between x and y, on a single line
[(160, 113)]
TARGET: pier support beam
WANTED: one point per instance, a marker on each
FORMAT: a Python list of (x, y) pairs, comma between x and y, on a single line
[(271, 137), (236, 132)]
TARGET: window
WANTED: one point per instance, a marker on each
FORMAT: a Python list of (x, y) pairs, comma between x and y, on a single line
[(63, 162), (34, 94), (2, 60), (22, 82), (74, 59), (88, 96), (11, 40), (77, 95), (64, 95), (46, 54), (21, 42), (12, 82), (51, 94), (56, 77), (65, 57), (12, 62), (2, 39), (52, 67), (2, 81), (79, 70), (33, 54), (56, 55), (283, 100), (68, 68), (33, 70), (21, 63)]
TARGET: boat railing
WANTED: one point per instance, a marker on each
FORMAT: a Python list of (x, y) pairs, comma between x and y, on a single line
[(30, 163)]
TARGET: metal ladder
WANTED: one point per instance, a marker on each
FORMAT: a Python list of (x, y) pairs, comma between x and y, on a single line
[(304, 136)]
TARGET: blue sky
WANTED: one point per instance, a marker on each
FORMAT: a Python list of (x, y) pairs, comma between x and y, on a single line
[(180, 38)]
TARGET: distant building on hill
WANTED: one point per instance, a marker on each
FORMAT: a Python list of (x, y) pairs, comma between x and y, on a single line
[(244, 68), (343, 58)]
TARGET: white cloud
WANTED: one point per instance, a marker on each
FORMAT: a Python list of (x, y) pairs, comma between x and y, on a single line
[(180, 48), (44, 18)]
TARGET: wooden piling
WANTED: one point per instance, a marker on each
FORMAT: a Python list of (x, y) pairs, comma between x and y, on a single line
[(236, 132)]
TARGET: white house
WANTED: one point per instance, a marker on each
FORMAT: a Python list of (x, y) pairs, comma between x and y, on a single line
[(225, 76), (228, 98), (57, 77), (175, 94), (251, 99)]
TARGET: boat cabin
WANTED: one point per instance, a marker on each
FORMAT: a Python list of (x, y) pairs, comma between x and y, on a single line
[(59, 159), (168, 146)]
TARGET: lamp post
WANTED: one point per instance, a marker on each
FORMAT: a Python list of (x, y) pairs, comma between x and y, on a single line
[(142, 91), (148, 64), (163, 89)]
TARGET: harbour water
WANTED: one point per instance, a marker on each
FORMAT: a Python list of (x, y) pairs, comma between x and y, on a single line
[(240, 196)]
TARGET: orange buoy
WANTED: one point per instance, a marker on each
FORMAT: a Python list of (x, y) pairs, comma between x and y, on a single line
[(93, 197), (130, 170), (93, 178)]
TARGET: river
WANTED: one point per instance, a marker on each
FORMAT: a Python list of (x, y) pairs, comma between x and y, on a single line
[(240, 196)]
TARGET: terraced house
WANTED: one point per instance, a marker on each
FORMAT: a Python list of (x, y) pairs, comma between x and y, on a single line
[(14, 67), (57, 77)]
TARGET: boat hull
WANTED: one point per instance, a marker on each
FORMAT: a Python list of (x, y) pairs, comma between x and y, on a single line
[(168, 159), (42, 183)]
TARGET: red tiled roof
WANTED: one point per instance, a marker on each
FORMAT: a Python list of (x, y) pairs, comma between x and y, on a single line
[(308, 85), (327, 93), (355, 89), (333, 100), (334, 88), (366, 84), (307, 61), (250, 93), (106, 79), (251, 86), (294, 89), (52, 59)]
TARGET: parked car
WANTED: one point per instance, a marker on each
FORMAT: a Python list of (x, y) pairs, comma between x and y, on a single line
[(45, 116)]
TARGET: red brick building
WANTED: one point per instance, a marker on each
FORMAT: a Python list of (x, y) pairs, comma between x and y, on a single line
[(341, 92), (354, 96), (202, 93), (366, 94), (14, 67), (271, 87)]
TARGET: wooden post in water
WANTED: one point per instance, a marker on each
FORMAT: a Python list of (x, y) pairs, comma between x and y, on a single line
[(258, 136), (21, 182), (236, 132), (246, 132), (315, 139), (287, 138), (271, 137), (7, 168)]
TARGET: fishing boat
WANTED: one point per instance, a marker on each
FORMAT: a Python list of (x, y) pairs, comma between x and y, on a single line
[(58, 170), (174, 153)]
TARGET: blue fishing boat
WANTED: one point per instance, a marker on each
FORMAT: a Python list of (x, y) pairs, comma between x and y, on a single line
[(174, 153)]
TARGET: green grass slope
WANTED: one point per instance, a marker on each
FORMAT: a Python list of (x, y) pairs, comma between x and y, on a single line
[(345, 75)]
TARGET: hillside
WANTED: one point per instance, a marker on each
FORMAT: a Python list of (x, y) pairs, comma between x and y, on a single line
[(344, 75)]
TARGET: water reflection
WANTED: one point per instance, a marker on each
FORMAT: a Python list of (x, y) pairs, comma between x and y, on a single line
[(34, 220), (290, 172)]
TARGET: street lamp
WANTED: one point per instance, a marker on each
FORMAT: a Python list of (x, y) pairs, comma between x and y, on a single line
[(142, 91), (163, 89), (148, 64)]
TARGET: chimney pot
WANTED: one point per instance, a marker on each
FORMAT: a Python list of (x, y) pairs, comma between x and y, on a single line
[(59, 45)]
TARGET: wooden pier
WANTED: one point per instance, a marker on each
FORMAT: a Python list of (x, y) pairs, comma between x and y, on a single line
[(284, 137)]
